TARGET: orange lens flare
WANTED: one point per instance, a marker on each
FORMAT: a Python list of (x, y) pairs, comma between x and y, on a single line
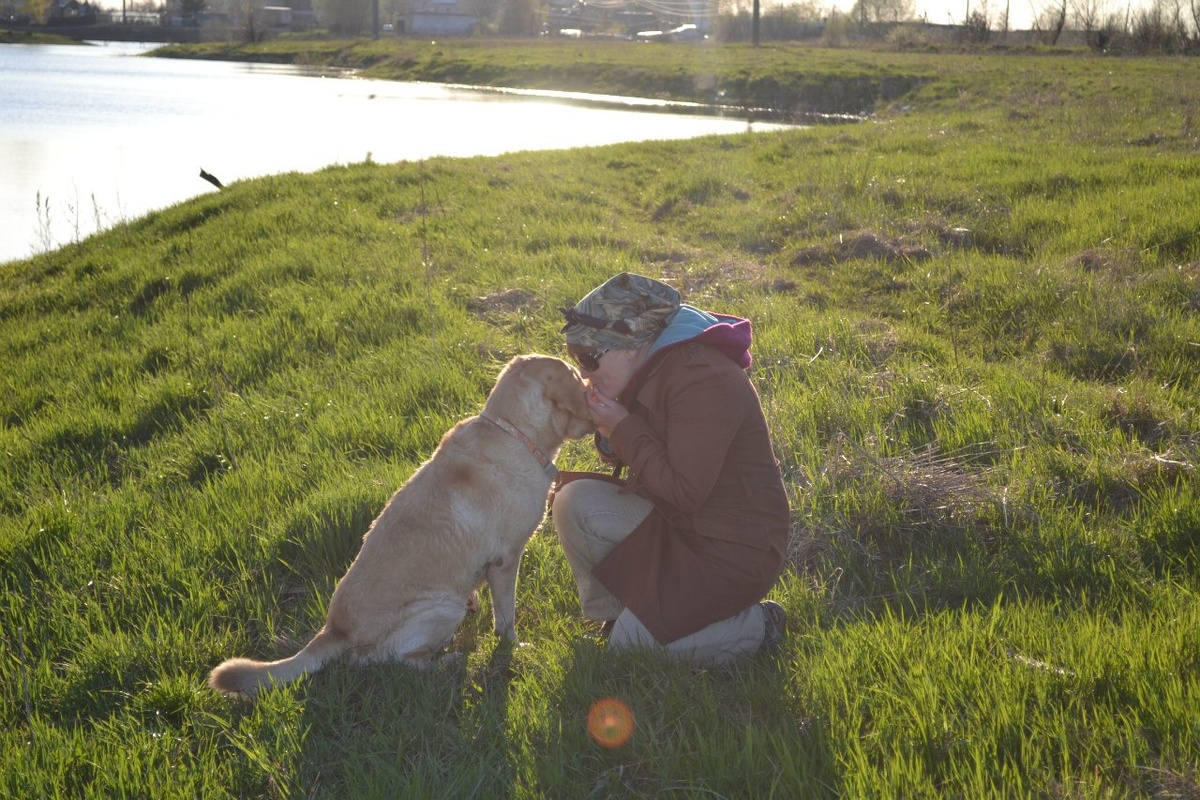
[(610, 722)]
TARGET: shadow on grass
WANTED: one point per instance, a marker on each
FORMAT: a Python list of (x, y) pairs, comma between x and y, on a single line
[(398, 732), (733, 731), (515, 721)]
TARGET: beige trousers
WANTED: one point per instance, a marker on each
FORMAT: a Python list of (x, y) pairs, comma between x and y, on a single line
[(591, 518)]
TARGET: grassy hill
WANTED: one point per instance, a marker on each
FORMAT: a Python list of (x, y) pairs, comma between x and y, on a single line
[(977, 323)]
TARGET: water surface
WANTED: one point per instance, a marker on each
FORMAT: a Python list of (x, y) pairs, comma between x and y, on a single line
[(93, 135)]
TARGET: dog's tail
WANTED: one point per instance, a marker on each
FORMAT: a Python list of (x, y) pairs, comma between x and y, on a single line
[(246, 676)]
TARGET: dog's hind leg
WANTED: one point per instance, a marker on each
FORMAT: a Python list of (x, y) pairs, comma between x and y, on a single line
[(430, 626), (502, 580)]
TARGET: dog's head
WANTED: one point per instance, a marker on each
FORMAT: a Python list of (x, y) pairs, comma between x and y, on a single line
[(542, 392)]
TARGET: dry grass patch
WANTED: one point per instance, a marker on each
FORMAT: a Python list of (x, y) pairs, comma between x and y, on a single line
[(930, 488), (865, 246), (927, 496), (505, 302)]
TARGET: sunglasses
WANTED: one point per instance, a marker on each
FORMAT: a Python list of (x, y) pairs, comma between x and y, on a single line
[(590, 362)]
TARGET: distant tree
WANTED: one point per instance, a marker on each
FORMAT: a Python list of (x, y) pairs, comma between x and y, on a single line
[(1050, 18), (346, 17), (780, 22), (517, 17), (1166, 26), (253, 29), (977, 27), (488, 10), (190, 9), (802, 10), (38, 10), (797, 20), (1111, 31), (1088, 15), (866, 12), (390, 10)]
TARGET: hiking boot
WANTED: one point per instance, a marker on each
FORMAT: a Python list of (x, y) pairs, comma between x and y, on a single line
[(775, 621)]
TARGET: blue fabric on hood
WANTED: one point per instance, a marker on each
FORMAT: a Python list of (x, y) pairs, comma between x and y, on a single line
[(731, 335)]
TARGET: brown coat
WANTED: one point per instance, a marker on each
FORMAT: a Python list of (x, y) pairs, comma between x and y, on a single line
[(697, 446)]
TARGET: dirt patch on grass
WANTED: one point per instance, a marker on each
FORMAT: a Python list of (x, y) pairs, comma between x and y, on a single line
[(701, 283), (1117, 267), (863, 245), (879, 340), (505, 301)]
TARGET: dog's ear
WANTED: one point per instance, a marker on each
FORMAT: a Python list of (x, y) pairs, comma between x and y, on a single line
[(511, 376)]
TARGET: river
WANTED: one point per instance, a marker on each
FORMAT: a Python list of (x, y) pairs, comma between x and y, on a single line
[(91, 135)]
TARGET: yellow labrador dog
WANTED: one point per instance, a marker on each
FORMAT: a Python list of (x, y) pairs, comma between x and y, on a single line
[(462, 518)]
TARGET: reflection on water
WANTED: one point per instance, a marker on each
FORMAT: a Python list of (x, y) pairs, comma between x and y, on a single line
[(90, 136)]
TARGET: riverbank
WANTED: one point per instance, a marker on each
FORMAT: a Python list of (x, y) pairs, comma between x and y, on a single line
[(28, 36), (785, 78), (977, 318)]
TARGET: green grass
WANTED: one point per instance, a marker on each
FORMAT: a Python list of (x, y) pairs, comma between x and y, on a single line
[(977, 334), (8, 36)]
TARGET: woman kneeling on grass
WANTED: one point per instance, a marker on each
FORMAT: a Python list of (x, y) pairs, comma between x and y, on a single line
[(679, 554)]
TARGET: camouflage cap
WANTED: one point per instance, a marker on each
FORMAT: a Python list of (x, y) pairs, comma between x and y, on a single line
[(625, 312)]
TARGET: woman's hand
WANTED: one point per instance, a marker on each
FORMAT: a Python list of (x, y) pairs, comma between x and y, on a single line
[(606, 412)]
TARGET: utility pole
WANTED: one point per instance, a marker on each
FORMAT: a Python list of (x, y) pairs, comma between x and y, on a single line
[(757, 14), (374, 19)]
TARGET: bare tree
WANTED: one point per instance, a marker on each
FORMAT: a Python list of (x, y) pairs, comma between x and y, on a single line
[(39, 10), (517, 17), (347, 17), (869, 11), (252, 22), (1086, 15), (192, 9), (977, 26), (1050, 17), (1165, 26), (1089, 16), (780, 21)]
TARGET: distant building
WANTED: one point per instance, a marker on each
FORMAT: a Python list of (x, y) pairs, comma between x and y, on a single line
[(277, 16), (296, 15), (72, 12), (619, 19), (437, 18), (217, 15)]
